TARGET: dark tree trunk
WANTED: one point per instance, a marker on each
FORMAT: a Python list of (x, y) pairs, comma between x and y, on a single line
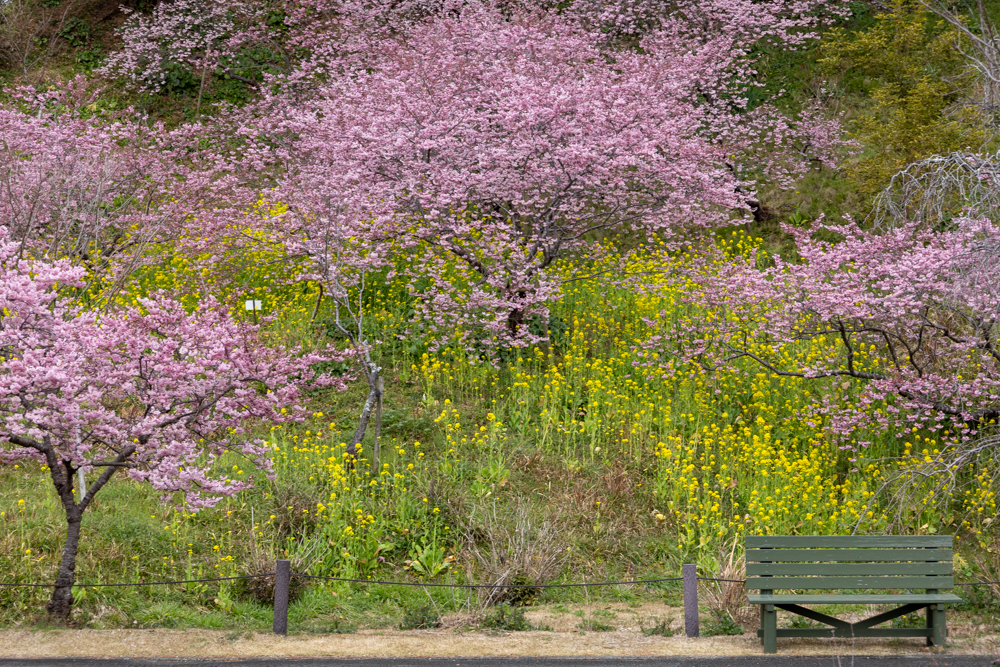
[(515, 320), (61, 602)]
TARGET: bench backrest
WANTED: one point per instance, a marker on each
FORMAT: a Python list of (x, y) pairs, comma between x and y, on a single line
[(849, 561)]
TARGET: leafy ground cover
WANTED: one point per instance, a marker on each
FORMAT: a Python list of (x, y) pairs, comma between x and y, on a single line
[(612, 470)]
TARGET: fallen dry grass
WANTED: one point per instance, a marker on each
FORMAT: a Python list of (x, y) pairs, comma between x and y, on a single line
[(565, 639)]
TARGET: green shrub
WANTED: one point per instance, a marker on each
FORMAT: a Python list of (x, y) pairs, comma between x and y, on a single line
[(661, 629), (722, 625), (506, 617), (909, 72), (424, 617)]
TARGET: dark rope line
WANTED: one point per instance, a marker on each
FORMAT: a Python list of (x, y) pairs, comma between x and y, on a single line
[(417, 583), (144, 583), (185, 581), (968, 583)]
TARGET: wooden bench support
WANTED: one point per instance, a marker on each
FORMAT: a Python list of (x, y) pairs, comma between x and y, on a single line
[(769, 631), (936, 622), (769, 628)]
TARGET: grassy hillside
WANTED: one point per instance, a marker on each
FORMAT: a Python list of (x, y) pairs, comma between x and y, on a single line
[(587, 454)]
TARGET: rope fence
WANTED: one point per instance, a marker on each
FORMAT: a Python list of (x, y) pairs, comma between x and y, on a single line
[(145, 583), (625, 582), (532, 586), (283, 576), (357, 581)]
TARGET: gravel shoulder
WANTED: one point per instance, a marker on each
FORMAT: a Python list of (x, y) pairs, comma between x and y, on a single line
[(562, 638), (435, 643)]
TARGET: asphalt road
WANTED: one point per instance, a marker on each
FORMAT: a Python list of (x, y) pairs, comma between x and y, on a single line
[(922, 660)]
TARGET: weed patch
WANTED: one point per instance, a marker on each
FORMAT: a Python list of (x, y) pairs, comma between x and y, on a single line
[(506, 617), (662, 629), (423, 617), (595, 625), (722, 625)]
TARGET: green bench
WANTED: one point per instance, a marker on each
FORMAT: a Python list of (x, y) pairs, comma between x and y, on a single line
[(849, 567)]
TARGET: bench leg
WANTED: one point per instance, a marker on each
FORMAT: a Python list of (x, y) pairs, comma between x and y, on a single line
[(938, 626), (930, 623), (769, 625), (762, 624)]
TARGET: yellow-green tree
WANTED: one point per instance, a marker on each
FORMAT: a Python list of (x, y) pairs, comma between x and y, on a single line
[(909, 65)]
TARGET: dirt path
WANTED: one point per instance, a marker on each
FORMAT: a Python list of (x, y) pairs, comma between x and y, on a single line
[(564, 639), (428, 643)]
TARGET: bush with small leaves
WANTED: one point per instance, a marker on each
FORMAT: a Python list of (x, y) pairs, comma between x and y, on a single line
[(506, 617), (424, 617), (662, 629), (722, 625)]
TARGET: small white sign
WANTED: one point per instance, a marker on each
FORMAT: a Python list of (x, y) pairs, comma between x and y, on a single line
[(253, 305)]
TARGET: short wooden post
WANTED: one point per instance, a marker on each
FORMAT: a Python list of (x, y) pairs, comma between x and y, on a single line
[(282, 581), (690, 576)]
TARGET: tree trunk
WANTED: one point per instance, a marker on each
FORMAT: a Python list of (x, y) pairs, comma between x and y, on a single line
[(61, 602), (372, 375), (515, 319), (62, 470)]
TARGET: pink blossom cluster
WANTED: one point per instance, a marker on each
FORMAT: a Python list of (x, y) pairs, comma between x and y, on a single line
[(192, 34), (152, 389), (488, 143), (911, 312), (92, 187)]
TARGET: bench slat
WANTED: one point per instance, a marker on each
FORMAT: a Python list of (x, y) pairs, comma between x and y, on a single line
[(854, 598), (786, 555), (782, 583), (848, 568), (846, 541)]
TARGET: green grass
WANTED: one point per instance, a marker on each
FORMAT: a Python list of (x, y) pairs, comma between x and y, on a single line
[(603, 489)]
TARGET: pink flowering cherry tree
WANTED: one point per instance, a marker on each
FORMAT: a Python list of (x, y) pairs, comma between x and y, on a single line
[(184, 41), (468, 146), (910, 314), (182, 45), (489, 144), (490, 138), (154, 391), (98, 189)]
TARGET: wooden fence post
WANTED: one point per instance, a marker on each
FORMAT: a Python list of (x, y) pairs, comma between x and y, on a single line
[(690, 575), (282, 581)]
